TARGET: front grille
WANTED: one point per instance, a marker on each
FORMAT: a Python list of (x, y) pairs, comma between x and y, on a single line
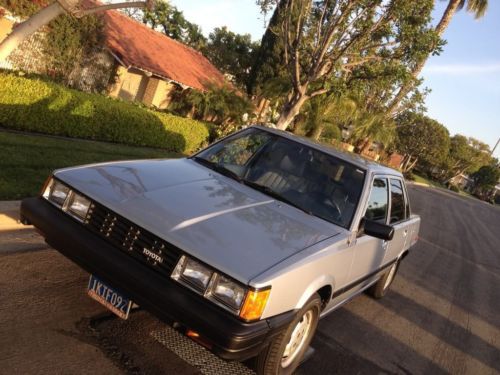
[(128, 237)]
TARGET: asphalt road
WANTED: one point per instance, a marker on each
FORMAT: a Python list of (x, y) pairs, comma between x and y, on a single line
[(442, 314)]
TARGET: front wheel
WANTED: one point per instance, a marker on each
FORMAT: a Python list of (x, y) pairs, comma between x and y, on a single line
[(285, 352), (380, 288)]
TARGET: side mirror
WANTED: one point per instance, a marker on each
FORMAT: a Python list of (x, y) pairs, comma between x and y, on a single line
[(377, 230)]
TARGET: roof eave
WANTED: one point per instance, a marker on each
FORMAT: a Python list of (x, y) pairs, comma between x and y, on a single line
[(147, 72)]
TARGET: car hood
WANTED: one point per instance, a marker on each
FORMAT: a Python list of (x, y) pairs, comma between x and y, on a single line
[(228, 225)]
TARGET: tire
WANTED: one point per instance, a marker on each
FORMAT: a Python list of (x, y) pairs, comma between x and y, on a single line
[(272, 360), (380, 288)]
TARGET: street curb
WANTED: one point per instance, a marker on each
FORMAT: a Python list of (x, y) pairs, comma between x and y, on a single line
[(421, 184), (9, 215)]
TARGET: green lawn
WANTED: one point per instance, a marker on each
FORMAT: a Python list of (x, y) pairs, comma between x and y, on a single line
[(427, 181), (27, 160)]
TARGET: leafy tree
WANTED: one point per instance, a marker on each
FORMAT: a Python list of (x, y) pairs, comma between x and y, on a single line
[(324, 42), (170, 21), (24, 8), (67, 43), (476, 7), (486, 177), (269, 64), (194, 37), (420, 138), (466, 155), (70, 42), (232, 53), (41, 12)]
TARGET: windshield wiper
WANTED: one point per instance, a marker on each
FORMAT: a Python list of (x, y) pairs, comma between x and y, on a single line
[(218, 168), (267, 190)]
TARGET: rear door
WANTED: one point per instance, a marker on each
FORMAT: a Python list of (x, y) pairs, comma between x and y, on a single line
[(398, 218)]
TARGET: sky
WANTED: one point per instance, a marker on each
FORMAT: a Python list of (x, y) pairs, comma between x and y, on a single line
[(464, 79)]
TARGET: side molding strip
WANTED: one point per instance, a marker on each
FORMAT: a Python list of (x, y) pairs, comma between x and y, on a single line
[(364, 278)]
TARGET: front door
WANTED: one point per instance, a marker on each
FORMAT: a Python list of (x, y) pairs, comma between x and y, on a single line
[(369, 251)]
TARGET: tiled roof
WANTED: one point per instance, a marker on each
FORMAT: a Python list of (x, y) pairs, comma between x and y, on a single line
[(137, 45)]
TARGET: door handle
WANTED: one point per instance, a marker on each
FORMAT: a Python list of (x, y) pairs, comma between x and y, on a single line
[(405, 232)]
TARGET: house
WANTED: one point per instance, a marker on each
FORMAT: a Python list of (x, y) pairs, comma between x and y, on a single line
[(149, 65), (152, 65), (395, 160), (5, 25), (463, 181)]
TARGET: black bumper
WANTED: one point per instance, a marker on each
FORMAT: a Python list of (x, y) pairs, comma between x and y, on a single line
[(232, 339)]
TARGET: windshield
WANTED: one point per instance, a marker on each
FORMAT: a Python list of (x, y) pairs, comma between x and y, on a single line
[(310, 180)]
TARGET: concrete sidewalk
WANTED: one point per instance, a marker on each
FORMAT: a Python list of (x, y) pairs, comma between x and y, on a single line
[(14, 236)]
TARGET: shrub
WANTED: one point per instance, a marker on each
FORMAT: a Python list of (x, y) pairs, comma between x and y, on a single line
[(36, 105), (409, 176), (454, 188)]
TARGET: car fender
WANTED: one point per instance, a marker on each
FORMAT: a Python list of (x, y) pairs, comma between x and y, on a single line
[(313, 287)]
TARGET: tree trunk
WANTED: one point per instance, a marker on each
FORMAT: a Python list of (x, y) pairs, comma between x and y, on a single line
[(404, 162), (448, 14), (28, 27), (412, 165), (366, 146), (317, 131), (262, 108), (363, 145), (291, 109), (401, 166)]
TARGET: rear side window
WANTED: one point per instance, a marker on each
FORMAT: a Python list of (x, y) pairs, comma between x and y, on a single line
[(398, 204), (378, 203)]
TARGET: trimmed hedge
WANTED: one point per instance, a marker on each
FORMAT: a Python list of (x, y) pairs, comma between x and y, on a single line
[(36, 105)]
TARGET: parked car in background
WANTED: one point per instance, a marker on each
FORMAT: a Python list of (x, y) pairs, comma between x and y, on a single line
[(244, 245)]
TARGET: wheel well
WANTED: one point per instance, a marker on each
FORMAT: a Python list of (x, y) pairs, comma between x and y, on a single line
[(325, 293)]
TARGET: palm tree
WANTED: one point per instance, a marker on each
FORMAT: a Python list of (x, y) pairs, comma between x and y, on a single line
[(372, 127), (330, 112), (476, 7)]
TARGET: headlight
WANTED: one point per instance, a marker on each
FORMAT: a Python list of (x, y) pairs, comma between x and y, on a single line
[(68, 200), (220, 289), (78, 206), (228, 292), (192, 273), (58, 193)]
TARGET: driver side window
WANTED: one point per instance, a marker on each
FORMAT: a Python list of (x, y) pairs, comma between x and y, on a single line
[(239, 151), (378, 202)]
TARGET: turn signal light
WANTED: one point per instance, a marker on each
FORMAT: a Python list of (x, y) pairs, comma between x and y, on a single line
[(195, 336), (254, 304)]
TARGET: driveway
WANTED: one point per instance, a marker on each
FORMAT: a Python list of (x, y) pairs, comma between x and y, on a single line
[(441, 316)]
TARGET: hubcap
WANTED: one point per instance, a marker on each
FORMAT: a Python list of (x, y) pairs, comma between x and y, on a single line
[(391, 275), (297, 339)]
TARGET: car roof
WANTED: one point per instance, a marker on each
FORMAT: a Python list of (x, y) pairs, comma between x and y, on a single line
[(360, 162)]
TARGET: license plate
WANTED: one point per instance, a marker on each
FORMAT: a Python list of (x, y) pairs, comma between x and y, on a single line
[(109, 297)]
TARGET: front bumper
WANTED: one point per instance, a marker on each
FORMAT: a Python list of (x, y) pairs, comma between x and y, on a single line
[(230, 338)]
